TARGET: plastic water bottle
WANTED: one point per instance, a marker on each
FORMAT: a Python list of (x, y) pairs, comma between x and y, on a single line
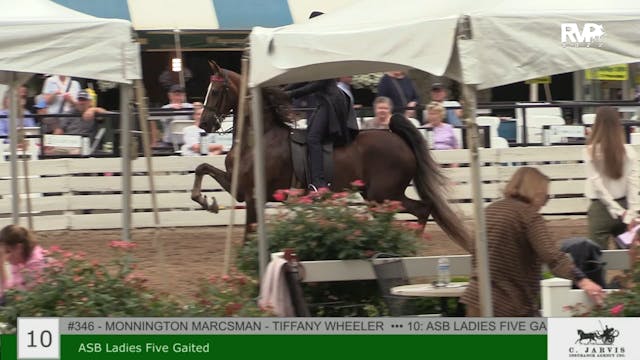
[(204, 143), (444, 276)]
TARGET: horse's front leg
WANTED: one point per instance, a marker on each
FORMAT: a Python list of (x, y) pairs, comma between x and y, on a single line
[(251, 219), (222, 177)]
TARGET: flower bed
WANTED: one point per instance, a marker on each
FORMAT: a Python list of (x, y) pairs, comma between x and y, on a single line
[(76, 286)]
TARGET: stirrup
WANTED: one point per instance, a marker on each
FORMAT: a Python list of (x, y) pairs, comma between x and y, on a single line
[(312, 188)]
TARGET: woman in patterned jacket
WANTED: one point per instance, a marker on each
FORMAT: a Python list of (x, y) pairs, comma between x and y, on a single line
[(518, 243)]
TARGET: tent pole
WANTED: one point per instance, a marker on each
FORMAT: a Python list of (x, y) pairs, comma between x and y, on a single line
[(533, 92), (144, 129), (125, 153), (258, 174), (482, 257), (237, 148), (141, 100), (25, 172), (13, 146)]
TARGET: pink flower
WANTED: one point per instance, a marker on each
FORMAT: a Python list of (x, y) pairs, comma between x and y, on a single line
[(55, 248), (414, 226), (280, 195), (340, 195), (357, 183), (616, 310), (122, 244), (296, 192)]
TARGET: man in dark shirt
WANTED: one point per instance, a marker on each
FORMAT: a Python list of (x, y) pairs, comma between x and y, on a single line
[(83, 123)]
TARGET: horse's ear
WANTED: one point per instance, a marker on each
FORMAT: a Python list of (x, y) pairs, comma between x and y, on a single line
[(215, 69)]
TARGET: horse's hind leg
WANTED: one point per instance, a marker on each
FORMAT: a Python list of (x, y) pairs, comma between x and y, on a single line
[(419, 209), (220, 176)]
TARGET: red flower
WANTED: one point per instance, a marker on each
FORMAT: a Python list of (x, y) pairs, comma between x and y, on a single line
[(280, 195), (232, 308), (616, 310), (357, 183)]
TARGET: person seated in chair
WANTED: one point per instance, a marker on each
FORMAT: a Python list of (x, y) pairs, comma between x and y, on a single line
[(382, 110), (191, 137)]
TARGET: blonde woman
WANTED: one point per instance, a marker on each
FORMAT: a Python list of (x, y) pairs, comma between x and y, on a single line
[(612, 178), (519, 242), (443, 136)]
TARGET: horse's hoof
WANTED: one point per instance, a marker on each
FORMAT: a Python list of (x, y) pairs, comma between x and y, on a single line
[(214, 208), (203, 202)]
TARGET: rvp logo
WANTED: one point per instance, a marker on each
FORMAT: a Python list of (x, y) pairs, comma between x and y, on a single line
[(589, 36)]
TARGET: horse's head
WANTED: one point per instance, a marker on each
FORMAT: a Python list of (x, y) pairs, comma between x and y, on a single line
[(220, 100)]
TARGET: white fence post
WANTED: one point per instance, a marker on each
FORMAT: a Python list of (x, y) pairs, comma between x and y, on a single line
[(555, 295)]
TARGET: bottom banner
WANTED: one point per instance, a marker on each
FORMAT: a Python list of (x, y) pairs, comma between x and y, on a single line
[(176, 347)]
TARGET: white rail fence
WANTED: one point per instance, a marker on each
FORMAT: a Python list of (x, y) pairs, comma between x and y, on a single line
[(556, 293), (86, 193)]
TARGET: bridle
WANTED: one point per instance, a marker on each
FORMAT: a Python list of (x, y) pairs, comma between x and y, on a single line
[(220, 97)]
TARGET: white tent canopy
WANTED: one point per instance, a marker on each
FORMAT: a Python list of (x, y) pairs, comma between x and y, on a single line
[(480, 43), (40, 36), (511, 40)]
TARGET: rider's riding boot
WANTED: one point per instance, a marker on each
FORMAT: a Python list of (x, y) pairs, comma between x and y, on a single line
[(316, 166)]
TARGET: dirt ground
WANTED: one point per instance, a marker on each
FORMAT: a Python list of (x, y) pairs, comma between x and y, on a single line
[(175, 258)]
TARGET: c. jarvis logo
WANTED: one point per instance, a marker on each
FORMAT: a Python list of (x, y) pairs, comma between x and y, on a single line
[(597, 344), (604, 337), (590, 35)]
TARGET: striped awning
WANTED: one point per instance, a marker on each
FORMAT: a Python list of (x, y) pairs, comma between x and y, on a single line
[(204, 14)]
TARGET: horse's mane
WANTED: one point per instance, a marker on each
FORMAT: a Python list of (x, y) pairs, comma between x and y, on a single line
[(279, 104), (274, 99)]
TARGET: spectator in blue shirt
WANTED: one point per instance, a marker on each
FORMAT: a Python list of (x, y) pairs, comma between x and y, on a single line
[(22, 117)]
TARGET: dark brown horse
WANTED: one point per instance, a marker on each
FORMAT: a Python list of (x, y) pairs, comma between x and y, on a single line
[(385, 160)]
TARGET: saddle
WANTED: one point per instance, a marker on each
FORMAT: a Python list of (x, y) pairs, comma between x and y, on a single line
[(298, 140)]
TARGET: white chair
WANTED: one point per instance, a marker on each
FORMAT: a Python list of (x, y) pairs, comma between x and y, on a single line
[(176, 127), (492, 122), (415, 122), (588, 119), (33, 145), (498, 142), (457, 132), (363, 121), (535, 125), (550, 111)]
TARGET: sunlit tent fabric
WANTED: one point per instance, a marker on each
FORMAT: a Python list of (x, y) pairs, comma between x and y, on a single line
[(510, 40), (39, 36), (204, 14)]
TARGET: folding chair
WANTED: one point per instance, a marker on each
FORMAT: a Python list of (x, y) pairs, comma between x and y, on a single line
[(390, 272)]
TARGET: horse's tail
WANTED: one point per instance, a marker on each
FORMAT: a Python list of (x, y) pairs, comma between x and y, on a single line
[(429, 181)]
